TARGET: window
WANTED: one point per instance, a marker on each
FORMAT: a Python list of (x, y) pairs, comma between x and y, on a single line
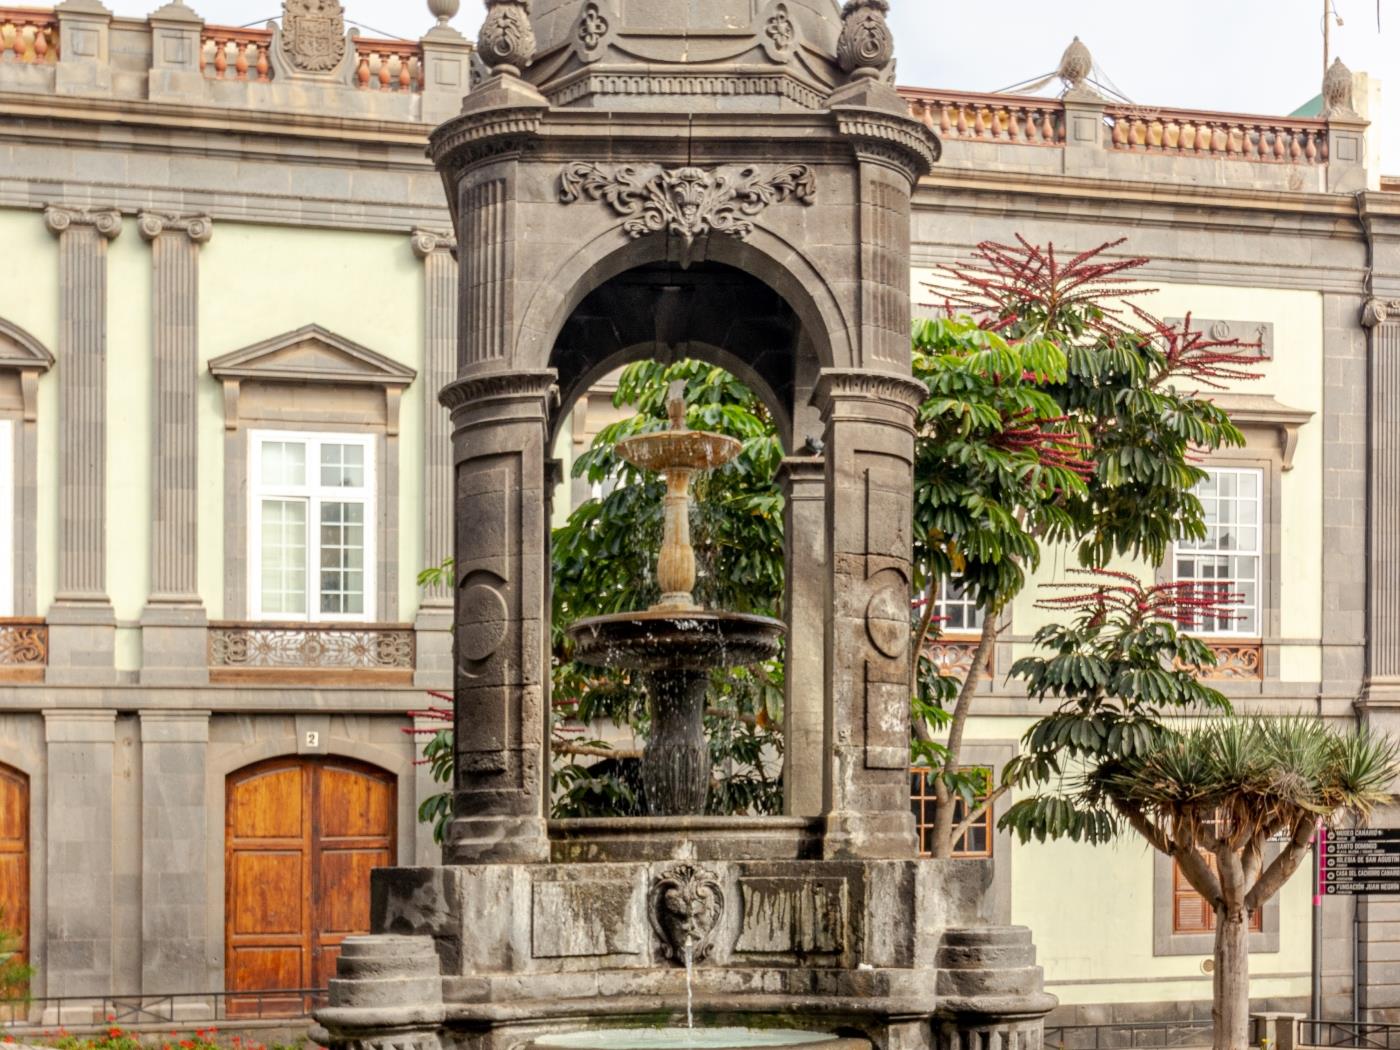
[(976, 841), (311, 526), (1230, 556), (7, 518), (1191, 913), (957, 611)]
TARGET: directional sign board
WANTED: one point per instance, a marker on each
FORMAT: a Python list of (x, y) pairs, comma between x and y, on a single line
[(1359, 861)]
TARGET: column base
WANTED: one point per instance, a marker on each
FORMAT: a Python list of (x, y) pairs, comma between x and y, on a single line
[(174, 644), (497, 840), (432, 631), (870, 836), (387, 993), (82, 642)]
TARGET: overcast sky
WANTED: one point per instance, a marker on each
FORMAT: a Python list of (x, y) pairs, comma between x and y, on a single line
[(1243, 56)]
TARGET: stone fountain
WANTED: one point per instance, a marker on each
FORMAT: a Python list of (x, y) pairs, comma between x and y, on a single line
[(676, 643), (728, 180)]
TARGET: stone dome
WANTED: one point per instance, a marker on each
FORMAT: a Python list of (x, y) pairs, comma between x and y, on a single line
[(769, 52)]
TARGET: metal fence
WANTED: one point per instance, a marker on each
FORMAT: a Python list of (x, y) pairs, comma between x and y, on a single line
[(183, 1009), (1125, 1035), (1362, 1035)]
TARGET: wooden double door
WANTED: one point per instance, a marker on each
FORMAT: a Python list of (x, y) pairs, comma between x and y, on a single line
[(14, 856), (301, 837)]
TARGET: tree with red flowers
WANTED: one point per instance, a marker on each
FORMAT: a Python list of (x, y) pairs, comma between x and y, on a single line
[(1061, 413)]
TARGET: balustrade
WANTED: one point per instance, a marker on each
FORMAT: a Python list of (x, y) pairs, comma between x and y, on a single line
[(388, 65), (28, 36), (235, 54), (1188, 133), (1019, 120), (344, 654)]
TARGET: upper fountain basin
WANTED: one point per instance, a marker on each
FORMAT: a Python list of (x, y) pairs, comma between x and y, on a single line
[(679, 450), (672, 640)]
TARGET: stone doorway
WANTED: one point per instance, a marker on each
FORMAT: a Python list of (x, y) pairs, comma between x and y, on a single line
[(301, 837)]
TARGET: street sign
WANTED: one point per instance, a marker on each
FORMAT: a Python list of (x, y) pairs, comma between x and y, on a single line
[(1360, 861)]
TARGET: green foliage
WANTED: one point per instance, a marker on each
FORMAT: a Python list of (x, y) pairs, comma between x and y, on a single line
[(15, 973), (440, 760)]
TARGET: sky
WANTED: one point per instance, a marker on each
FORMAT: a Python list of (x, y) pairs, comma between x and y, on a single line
[(1239, 56)]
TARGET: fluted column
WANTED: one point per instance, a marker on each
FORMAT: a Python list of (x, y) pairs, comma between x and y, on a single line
[(434, 622), (804, 490), (82, 635), (173, 622)]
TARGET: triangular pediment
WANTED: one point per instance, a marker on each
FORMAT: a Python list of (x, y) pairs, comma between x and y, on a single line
[(312, 355), (20, 351)]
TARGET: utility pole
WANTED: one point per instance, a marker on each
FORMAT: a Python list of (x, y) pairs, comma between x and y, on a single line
[(1329, 12)]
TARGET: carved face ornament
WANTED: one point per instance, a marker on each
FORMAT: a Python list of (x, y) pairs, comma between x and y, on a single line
[(686, 905)]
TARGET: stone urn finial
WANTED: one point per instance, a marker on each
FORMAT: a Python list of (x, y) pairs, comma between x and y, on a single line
[(866, 44), (1075, 65), (507, 40), (444, 10), (1337, 88)]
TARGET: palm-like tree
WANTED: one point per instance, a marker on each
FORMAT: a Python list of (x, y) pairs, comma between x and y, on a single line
[(1212, 797)]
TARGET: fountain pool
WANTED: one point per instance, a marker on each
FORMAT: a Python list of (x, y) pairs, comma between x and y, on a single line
[(693, 1039)]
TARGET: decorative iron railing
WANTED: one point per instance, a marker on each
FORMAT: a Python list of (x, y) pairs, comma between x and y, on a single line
[(28, 36), (1019, 120), (24, 649), (1129, 1034), (1361, 1035), (1183, 132), (356, 653), (76, 1012)]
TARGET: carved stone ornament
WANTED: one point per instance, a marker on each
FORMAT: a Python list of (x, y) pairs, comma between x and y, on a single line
[(507, 40), (1337, 91), (779, 33), (690, 203), (199, 228), (1377, 312), (685, 906), (313, 34), (593, 28), (425, 242), (866, 45), (107, 222)]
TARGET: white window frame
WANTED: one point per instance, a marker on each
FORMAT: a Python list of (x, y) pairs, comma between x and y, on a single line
[(7, 517), (946, 598), (314, 495), (1257, 553)]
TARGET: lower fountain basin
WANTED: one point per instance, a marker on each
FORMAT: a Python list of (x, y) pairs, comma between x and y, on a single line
[(668, 640), (691, 1039)]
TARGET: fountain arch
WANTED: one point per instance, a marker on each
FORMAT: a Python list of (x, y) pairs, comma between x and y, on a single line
[(660, 139)]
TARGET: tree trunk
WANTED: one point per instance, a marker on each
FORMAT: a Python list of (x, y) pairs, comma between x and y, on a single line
[(945, 800), (1230, 1010)]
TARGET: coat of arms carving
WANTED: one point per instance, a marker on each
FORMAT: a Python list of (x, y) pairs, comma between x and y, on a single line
[(313, 34)]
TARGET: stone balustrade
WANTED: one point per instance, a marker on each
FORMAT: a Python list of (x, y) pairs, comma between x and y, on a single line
[(324, 654), (1022, 121), (1294, 140), (28, 36), (388, 65), (24, 649), (227, 53)]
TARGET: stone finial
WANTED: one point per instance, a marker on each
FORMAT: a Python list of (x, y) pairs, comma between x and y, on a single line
[(1075, 65), (866, 44), (444, 10), (507, 40), (1337, 87)]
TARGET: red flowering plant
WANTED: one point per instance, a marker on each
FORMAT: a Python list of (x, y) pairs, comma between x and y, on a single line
[(1061, 413)]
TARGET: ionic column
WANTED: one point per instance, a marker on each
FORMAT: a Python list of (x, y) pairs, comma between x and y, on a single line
[(173, 623), (500, 423), (869, 452), (1382, 319), (804, 491), (434, 622), (82, 634)]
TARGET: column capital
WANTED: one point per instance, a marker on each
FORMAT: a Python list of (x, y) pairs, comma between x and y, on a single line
[(199, 228), (854, 386), (490, 387), (426, 242), (1377, 312), (59, 219)]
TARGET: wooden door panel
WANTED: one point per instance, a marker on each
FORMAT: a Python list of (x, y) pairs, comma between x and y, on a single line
[(269, 893), (302, 836), (14, 854)]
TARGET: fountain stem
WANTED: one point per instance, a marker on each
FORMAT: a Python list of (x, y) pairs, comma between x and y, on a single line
[(675, 564)]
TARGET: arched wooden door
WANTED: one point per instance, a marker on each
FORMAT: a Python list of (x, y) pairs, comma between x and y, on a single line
[(14, 855), (301, 837)]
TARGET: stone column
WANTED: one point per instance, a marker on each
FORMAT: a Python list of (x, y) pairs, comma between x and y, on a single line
[(173, 623), (386, 995), (1383, 606), (500, 424), (804, 491), (434, 623), (174, 834), (869, 451), (84, 60), (79, 861), (82, 627)]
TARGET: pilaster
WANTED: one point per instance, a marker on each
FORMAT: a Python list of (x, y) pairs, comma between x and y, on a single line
[(84, 61), (1381, 318), (804, 493), (174, 934), (434, 622), (1346, 154), (869, 484), (80, 862), (82, 627), (447, 58), (173, 636), (175, 75), (500, 426), (1085, 130)]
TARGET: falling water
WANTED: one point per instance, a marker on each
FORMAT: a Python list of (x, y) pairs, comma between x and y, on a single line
[(689, 983)]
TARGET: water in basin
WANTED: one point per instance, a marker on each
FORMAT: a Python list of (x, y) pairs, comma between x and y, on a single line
[(681, 1039)]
